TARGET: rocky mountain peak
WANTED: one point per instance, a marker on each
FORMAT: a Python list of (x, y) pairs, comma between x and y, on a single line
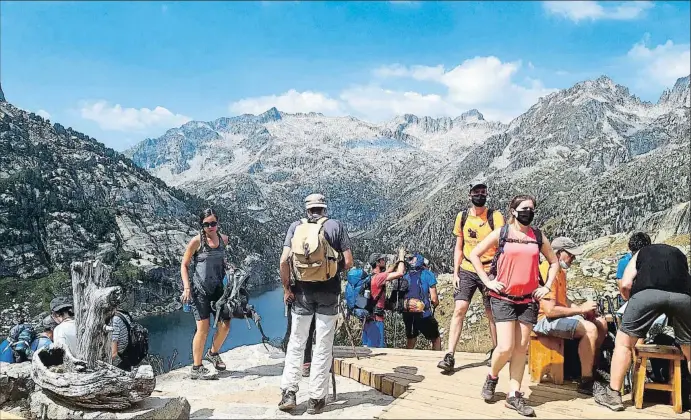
[(2, 95), (272, 114), (472, 114), (679, 95)]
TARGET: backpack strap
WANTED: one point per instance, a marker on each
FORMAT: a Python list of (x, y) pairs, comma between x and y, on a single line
[(490, 218), (464, 218), (538, 237), (503, 234)]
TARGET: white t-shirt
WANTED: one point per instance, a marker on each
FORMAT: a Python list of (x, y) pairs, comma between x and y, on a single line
[(66, 333)]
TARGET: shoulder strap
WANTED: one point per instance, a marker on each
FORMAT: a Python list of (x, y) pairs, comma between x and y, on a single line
[(490, 218), (464, 218), (322, 220), (538, 237), (124, 319)]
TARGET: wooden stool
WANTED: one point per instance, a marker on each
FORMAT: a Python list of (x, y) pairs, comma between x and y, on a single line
[(654, 351), (546, 356)]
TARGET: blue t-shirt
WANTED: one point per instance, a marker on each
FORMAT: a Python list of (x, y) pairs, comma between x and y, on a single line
[(421, 289), (621, 266)]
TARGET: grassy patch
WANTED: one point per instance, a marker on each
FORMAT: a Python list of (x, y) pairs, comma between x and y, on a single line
[(679, 240), (38, 292)]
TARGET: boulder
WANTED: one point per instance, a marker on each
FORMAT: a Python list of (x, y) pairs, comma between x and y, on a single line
[(15, 382), (42, 407)]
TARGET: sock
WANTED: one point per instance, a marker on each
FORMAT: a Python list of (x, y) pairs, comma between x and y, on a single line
[(494, 378), (512, 394), (194, 367), (612, 389)]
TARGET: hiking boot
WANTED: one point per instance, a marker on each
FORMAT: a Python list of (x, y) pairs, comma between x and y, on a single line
[(585, 386), (201, 373), (489, 358), (489, 387), (215, 359), (287, 401), (306, 370), (518, 403), (315, 406), (447, 364), (608, 397)]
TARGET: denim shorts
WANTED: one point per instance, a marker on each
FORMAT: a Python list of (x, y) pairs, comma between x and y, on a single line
[(558, 327)]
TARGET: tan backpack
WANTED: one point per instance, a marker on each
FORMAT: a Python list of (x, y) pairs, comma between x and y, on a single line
[(312, 257)]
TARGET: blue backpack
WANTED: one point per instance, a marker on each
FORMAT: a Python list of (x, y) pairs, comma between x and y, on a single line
[(357, 282)]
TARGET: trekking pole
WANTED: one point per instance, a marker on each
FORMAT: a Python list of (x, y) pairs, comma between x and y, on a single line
[(350, 335)]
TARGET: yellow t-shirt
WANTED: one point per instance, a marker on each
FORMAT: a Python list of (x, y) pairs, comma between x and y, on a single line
[(558, 292), (475, 230)]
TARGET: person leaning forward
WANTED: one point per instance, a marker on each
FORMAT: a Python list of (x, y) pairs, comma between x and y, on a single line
[(316, 249)]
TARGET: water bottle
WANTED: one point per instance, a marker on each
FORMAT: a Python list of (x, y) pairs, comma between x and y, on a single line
[(367, 294), (186, 306)]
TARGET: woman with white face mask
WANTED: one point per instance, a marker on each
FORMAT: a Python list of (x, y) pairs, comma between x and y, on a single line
[(514, 293)]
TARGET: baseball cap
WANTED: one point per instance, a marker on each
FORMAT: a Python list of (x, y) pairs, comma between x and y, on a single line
[(477, 184), (48, 323), (59, 303), (315, 201), (373, 258), (566, 244)]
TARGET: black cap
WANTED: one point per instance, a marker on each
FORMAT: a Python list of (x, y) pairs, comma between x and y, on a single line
[(60, 303)]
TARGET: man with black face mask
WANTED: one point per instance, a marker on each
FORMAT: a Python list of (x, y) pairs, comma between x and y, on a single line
[(472, 226)]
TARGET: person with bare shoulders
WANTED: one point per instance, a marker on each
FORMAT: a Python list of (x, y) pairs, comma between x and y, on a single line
[(206, 252), (513, 293)]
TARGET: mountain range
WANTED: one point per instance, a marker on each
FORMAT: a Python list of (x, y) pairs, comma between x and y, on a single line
[(598, 159)]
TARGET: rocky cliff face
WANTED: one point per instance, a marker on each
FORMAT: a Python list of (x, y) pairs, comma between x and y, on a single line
[(65, 197)]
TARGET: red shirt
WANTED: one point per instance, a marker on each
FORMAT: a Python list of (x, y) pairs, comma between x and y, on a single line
[(378, 287), (518, 268)]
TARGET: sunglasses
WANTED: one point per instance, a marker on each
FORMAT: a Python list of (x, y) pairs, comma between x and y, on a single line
[(209, 224)]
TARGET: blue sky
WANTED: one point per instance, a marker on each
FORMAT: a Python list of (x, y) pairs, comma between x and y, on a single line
[(124, 71)]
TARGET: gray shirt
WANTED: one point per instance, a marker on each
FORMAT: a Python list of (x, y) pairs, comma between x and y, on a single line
[(337, 236), (119, 333)]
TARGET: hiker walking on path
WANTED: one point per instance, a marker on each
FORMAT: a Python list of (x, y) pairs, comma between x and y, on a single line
[(207, 253), (656, 281), (373, 334), (316, 249), (559, 317), (513, 294), (422, 285), (472, 225)]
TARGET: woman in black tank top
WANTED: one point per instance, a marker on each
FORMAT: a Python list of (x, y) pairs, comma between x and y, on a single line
[(206, 252)]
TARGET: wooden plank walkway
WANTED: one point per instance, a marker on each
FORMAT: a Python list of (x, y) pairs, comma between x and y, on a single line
[(423, 392)]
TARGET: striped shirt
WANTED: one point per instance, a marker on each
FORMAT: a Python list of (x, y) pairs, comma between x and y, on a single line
[(120, 332)]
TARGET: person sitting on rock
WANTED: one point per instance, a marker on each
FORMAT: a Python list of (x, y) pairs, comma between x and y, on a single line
[(45, 337), (373, 334), (315, 251), (656, 281), (206, 252), (422, 284), (65, 333), (559, 317)]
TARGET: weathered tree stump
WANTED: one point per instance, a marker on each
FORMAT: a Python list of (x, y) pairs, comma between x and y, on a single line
[(85, 380), (94, 303)]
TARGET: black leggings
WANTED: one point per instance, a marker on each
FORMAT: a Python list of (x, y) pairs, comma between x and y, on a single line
[(310, 337)]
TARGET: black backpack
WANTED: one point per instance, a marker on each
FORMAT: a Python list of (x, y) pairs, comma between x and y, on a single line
[(137, 340), (490, 218)]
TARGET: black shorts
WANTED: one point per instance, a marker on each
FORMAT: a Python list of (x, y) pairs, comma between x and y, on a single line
[(647, 305), (202, 301), (416, 324), (504, 311), (468, 283), (309, 302)]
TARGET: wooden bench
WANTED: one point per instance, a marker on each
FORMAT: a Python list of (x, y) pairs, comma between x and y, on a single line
[(642, 353), (546, 357)]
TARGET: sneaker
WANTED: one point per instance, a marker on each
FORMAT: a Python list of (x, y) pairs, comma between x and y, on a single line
[(287, 401), (489, 358), (518, 403), (315, 406), (489, 387), (215, 359), (306, 370), (607, 397), (201, 373), (447, 364), (585, 386)]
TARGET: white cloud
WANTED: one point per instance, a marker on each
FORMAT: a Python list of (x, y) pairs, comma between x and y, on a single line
[(593, 10), (117, 118), (485, 83), (43, 113), (291, 102), (662, 64)]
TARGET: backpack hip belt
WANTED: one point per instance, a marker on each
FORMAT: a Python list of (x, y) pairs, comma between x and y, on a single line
[(514, 298)]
